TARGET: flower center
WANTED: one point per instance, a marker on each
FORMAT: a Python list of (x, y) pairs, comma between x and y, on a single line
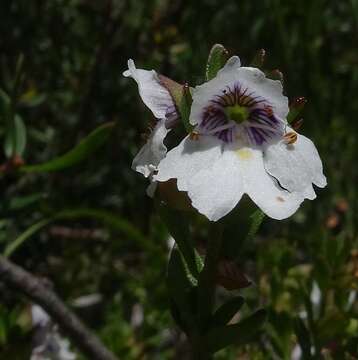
[(235, 109), (237, 113)]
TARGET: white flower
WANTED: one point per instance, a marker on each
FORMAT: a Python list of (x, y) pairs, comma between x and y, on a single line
[(154, 150), (157, 98), (154, 95), (243, 145)]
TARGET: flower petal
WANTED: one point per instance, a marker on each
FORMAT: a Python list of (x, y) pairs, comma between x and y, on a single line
[(187, 159), (251, 78), (264, 191), (215, 191), (295, 166), (152, 152), (232, 63), (153, 94)]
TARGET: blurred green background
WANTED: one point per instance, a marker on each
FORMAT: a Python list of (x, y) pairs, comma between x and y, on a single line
[(111, 241)]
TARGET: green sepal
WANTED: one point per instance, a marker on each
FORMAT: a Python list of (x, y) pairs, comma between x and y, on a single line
[(181, 95), (83, 150), (259, 59), (296, 108), (217, 58), (15, 138), (237, 334), (227, 311)]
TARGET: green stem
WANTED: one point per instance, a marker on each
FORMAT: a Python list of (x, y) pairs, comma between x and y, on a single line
[(207, 279), (206, 291)]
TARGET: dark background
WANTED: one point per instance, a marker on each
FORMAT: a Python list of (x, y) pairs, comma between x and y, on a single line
[(74, 55)]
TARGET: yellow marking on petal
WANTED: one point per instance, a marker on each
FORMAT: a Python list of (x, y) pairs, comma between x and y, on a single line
[(244, 154)]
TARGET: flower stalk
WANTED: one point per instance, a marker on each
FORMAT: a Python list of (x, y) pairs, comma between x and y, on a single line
[(207, 278)]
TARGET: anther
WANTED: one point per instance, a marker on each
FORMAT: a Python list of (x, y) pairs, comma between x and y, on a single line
[(290, 138), (194, 135)]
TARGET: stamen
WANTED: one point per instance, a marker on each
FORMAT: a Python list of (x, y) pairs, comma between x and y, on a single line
[(194, 135), (234, 106), (290, 138)]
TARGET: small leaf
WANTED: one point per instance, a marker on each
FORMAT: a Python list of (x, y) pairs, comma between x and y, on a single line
[(83, 150), (15, 139), (5, 103), (296, 107), (239, 334), (184, 108), (217, 58), (227, 311)]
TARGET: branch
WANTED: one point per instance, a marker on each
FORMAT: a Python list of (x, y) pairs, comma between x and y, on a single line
[(31, 286)]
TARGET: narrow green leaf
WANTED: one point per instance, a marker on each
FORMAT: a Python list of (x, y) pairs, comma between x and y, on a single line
[(15, 138), (238, 334), (83, 150), (114, 222), (10, 248), (303, 338), (227, 311), (217, 57), (178, 226), (20, 202), (19, 77), (180, 286)]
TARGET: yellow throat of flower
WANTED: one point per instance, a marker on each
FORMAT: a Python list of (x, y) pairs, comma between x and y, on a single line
[(237, 113)]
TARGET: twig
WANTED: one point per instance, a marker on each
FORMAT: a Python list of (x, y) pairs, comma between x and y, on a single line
[(31, 286)]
